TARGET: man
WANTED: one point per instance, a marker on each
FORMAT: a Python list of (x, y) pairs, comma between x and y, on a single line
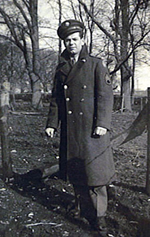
[(82, 103)]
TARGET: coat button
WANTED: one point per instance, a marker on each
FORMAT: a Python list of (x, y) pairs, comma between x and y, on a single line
[(67, 99), (82, 100), (84, 87), (65, 87), (69, 112), (83, 60), (81, 113)]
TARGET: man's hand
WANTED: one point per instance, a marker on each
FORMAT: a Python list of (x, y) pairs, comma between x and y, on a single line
[(50, 132), (100, 131)]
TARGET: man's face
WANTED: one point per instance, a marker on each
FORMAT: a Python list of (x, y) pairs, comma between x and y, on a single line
[(74, 43)]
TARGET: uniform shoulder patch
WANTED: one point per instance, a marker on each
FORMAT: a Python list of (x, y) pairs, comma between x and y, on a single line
[(107, 79)]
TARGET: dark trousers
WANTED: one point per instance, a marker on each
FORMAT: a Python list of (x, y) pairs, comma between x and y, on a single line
[(92, 201)]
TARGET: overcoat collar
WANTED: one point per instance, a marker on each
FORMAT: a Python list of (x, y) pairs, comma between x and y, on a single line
[(65, 66)]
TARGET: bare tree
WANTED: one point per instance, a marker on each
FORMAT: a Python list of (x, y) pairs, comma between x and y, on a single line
[(124, 42), (22, 27)]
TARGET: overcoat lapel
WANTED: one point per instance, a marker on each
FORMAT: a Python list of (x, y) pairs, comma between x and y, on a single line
[(66, 68), (75, 70)]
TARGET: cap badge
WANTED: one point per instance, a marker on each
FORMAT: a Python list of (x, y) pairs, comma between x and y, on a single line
[(67, 23)]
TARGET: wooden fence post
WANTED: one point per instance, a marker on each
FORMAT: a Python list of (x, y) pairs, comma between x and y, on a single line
[(4, 105), (148, 144)]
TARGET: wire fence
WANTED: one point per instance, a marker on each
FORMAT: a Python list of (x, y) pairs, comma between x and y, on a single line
[(137, 101)]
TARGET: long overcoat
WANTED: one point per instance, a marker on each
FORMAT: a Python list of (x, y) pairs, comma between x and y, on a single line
[(82, 99)]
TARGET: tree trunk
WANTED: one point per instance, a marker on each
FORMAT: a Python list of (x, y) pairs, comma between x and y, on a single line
[(35, 76), (91, 28), (60, 16), (36, 91), (125, 71), (126, 98), (4, 104)]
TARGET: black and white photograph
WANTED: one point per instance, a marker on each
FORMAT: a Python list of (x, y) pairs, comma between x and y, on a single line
[(74, 118)]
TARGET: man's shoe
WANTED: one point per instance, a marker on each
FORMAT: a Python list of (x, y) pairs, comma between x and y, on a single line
[(74, 211), (100, 226)]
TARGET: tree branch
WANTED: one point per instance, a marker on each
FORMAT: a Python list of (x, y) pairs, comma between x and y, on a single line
[(128, 56), (7, 38), (23, 13), (2, 22), (10, 26), (97, 23), (26, 3), (134, 13)]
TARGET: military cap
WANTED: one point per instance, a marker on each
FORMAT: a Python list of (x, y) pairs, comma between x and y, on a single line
[(68, 27)]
